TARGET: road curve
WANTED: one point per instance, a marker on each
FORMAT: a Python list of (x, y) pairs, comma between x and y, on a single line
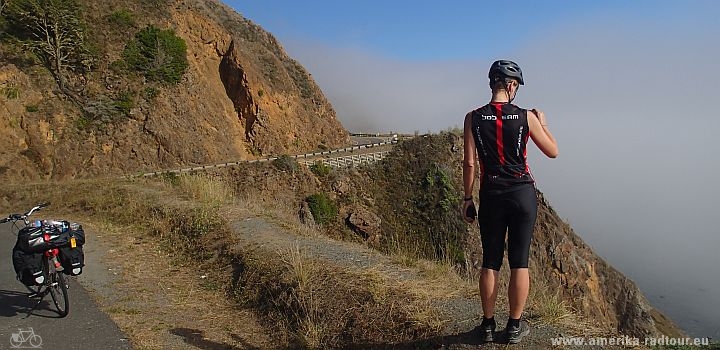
[(363, 140), (86, 327)]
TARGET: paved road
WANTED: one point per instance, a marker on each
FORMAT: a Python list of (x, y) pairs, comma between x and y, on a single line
[(362, 140), (86, 327)]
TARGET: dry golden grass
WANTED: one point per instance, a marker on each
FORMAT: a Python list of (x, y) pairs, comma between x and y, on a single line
[(281, 214), (422, 311), (313, 303), (209, 190), (546, 305), (160, 293), (317, 304), (302, 273), (407, 256), (300, 267), (302, 301)]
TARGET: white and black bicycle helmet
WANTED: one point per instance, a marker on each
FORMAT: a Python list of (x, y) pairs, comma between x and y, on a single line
[(502, 69)]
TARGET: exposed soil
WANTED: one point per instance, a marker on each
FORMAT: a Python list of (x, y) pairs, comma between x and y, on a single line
[(160, 301)]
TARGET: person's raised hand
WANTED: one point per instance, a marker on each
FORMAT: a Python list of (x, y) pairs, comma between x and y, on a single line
[(540, 115)]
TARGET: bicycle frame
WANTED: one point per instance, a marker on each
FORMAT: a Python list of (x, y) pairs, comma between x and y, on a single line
[(23, 335)]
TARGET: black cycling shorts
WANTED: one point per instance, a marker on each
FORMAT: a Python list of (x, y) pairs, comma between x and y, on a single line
[(513, 212)]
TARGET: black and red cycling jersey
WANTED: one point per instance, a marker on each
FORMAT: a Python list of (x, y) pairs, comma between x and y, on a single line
[(501, 134)]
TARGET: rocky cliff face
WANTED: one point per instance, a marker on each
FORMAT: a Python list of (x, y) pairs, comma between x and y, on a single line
[(241, 97)]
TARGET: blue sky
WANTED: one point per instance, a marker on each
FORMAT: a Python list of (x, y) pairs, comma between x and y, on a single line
[(351, 46), (628, 88), (430, 30)]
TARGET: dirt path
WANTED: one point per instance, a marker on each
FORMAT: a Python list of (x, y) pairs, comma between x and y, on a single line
[(461, 309), (160, 301)]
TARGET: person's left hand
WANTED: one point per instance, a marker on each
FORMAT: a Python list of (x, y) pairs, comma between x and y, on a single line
[(469, 212)]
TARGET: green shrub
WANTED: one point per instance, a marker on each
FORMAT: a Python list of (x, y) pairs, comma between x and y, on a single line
[(118, 66), (122, 18), (171, 178), (151, 93), (324, 210), (440, 189), (320, 169), (10, 92), (125, 102), (82, 122), (158, 54), (102, 110), (286, 163), (32, 108)]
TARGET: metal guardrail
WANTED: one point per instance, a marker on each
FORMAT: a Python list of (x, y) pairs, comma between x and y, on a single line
[(352, 160), (327, 161), (365, 134)]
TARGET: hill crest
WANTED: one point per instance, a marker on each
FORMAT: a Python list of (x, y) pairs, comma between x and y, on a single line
[(241, 97)]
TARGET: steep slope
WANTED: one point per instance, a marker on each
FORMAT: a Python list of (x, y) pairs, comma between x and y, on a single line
[(404, 194), (241, 97)]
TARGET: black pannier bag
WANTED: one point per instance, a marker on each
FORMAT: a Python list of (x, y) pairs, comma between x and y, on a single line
[(72, 258), (28, 267), (40, 239), (29, 238)]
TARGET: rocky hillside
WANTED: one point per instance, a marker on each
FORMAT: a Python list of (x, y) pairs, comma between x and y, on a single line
[(240, 97)]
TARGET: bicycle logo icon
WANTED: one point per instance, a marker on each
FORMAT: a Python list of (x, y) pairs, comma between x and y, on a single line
[(24, 339)]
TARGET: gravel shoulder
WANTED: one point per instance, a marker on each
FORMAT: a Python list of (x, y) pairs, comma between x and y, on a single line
[(160, 301)]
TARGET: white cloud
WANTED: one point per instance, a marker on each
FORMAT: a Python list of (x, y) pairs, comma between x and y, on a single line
[(374, 93)]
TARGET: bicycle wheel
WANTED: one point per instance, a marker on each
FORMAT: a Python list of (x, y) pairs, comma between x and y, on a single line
[(35, 341), (15, 342), (58, 289)]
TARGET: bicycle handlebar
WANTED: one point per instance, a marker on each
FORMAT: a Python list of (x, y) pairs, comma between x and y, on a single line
[(16, 217), (37, 207)]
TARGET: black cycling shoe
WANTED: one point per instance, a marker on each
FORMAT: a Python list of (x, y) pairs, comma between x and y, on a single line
[(515, 334), (486, 329)]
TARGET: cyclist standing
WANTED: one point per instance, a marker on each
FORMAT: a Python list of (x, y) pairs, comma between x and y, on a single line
[(497, 134)]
